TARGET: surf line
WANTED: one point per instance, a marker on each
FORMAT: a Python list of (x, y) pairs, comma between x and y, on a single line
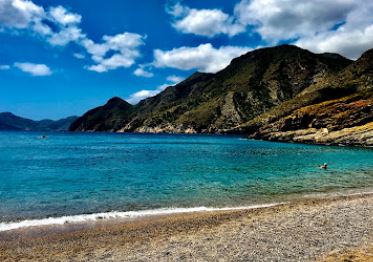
[(6, 226)]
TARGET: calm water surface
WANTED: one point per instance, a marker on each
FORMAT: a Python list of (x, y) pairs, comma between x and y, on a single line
[(70, 174)]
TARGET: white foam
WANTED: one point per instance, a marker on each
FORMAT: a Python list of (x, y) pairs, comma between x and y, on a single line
[(116, 214)]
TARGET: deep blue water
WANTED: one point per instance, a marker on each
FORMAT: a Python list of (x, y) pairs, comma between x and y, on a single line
[(69, 174)]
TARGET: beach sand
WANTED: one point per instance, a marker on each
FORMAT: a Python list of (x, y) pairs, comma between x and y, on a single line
[(333, 229)]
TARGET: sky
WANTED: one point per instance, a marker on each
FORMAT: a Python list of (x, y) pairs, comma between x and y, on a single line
[(61, 58)]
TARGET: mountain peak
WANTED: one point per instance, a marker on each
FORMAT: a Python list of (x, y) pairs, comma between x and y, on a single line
[(205, 102), (7, 114), (116, 100), (366, 57), (364, 65), (369, 53), (111, 116), (9, 121)]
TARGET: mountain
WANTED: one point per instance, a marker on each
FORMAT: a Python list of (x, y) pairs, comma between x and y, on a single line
[(109, 117), (338, 110), (256, 94), (9, 121)]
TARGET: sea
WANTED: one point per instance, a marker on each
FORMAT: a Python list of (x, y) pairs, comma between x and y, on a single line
[(55, 178)]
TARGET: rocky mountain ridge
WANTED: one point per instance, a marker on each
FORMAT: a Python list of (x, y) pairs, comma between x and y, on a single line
[(280, 93), (11, 122)]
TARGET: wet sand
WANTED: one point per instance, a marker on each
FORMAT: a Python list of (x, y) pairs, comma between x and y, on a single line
[(332, 229)]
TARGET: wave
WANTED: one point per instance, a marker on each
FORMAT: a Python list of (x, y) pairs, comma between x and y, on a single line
[(6, 226)]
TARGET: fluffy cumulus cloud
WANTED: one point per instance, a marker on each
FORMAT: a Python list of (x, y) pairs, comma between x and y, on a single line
[(19, 13), (342, 26), (142, 94), (276, 20), (174, 79), (24, 14), (123, 46), (63, 17), (141, 71), (204, 58), (352, 38), (60, 27), (204, 22), (34, 69), (349, 42)]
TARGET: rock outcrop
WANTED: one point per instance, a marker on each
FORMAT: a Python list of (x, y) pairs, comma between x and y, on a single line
[(337, 111)]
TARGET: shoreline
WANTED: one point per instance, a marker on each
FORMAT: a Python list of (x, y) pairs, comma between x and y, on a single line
[(114, 215), (317, 226), (244, 136), (123, 216)]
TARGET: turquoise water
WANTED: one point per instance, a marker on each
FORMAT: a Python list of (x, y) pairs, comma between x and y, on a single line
[(71, 174)]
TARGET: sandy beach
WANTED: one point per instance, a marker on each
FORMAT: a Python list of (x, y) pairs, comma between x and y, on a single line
[(333, 229)]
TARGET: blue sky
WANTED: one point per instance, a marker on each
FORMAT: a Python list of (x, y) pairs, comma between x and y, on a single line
[(61, 58)]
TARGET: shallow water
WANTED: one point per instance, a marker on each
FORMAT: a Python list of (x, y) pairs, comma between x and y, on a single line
[(69, 174)]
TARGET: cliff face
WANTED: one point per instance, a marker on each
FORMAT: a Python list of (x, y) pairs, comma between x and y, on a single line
[(338, 110), (281, 93), (249, 86)]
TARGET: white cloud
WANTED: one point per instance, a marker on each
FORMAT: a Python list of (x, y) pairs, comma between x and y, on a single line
[(113, 62), (24, 14), (79, 55), (174, 79), (34, 69), (142, 94), (177, 9), (351, 43), (351, 39), (142, 72), (19, 13), (65, 36), (208, 22), (63, 17), (341, 26), (4, 67), (96, 50), (125, 47), (59, 27), (204, 22), (277, 20), (204, 57)]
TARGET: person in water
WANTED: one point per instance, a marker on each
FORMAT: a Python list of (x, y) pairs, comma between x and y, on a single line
[(324, 166)]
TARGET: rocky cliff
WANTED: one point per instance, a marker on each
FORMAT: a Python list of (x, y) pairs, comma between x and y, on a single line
[(338, 110), (281, 93)]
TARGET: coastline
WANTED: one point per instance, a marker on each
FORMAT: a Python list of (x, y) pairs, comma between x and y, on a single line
[(318, 227), (123, 216), (118, 215)]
